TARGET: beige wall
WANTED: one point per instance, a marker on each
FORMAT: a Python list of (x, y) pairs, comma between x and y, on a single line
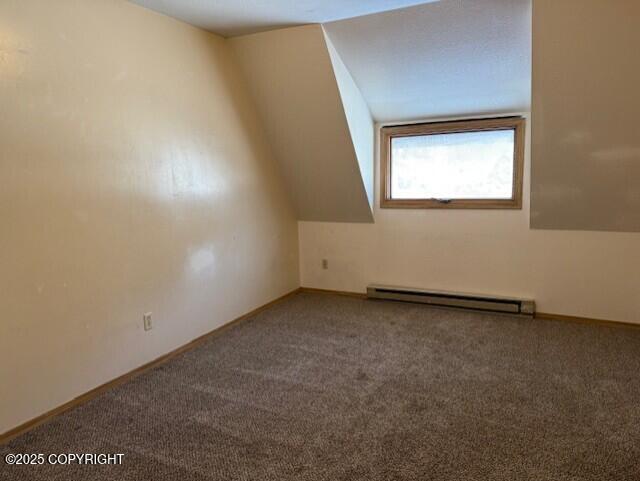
[(292, 79), (134, 177), (586, 135), (589, 274)]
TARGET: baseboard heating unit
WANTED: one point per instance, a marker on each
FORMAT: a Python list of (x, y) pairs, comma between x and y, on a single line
[(476, 302)]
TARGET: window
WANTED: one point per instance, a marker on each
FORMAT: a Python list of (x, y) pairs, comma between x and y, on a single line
[(474, 164)]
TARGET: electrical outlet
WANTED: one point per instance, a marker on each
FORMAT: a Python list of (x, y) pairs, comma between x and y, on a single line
[(325, 264), (146, 318)]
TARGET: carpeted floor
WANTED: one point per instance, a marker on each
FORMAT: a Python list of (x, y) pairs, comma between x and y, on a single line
[(322, 387)]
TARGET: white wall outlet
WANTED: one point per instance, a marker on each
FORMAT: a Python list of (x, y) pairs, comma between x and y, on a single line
[(146, 318), (325, 264)]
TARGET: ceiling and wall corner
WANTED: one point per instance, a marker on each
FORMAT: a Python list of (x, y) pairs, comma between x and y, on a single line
[(291, 76), (135, 177), (319, 90), (231, 18), (445, 59)]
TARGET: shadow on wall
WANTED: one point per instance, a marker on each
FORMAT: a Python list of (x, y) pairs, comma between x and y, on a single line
[(134, 178)]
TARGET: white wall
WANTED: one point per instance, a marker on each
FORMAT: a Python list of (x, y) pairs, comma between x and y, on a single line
[(587, 274), (134, 177)]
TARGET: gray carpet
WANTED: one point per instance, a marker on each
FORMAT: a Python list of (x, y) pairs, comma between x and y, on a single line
[(323, 387)]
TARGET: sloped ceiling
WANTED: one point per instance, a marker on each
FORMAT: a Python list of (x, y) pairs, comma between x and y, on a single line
[(449, 58), (358, 118), (240, 17), (319, 88), (291, 76)]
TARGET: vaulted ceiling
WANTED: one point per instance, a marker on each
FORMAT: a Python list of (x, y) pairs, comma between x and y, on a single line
[(320, 88)]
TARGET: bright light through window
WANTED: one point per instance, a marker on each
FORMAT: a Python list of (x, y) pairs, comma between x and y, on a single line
[(469, 165)]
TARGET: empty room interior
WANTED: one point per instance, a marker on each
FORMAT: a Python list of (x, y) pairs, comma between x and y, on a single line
[(321, 240)]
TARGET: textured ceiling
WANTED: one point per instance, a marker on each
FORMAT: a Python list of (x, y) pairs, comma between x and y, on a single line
[(239, 17), (450, 58)]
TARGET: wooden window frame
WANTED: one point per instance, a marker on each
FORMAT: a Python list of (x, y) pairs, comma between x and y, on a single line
[(517, 124)]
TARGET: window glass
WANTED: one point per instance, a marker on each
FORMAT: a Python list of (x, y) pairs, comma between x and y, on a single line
[(468, 165)]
